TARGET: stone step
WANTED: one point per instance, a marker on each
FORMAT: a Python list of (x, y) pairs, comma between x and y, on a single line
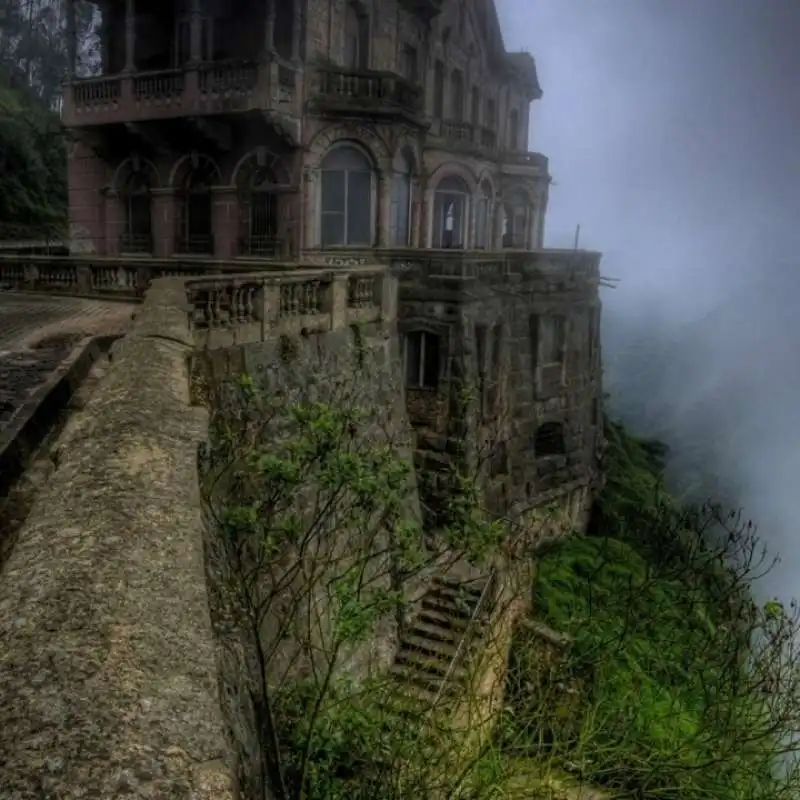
[(419, 679), (458, 592), (446, 607), (435, 667), (444, 619), (431, 647), (433, 631)]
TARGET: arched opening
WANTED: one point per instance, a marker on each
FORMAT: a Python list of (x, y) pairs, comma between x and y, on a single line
[(513, 129), (457, 96), (259, 190), (356, 37), (195, 233), (549, 440), (517, 221), (346, 198), (438, 90), (137, 202), (483, 217), (450, 207), (400, 210), (421, 355)]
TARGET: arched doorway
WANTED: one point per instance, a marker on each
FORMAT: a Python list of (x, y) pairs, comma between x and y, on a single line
[(259, 189)]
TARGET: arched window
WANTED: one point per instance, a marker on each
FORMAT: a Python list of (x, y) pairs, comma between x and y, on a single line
[(450, 208), (400, 210), (421, 354), (356, 37), (457, 95), (513, 129), (483, 216), (438, 89), (517, 221), (137, 203), (346, 198), (259, 201), (196, 230), (549, 440)]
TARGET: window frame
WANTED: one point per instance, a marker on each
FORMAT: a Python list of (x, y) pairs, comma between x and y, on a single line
[(428, 343), (344, 213)]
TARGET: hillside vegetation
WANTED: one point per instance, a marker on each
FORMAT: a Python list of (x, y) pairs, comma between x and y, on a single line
[(681, 686)]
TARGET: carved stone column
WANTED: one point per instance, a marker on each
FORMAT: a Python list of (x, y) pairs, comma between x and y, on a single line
[(297, 29), (269, 28), (130, 36), (384, 206)]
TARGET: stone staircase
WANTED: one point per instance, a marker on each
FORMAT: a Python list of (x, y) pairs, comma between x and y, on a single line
[(424, 672)]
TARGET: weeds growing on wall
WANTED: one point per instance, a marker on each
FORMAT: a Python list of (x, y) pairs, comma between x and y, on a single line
[(683, 686)]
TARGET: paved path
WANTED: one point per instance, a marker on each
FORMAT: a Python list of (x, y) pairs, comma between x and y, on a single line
[(26, 319), (37, 332)]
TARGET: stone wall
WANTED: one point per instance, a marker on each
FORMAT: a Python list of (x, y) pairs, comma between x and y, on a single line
[(107, 658)]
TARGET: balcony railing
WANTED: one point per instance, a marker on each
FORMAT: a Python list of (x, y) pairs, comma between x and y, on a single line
[(196, 245), (210, 88), (527, 159), (343, 90), (135, 243), (260, 246)]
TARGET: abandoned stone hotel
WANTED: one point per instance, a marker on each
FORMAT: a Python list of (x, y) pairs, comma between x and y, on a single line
[(341, 133), (320, 170)]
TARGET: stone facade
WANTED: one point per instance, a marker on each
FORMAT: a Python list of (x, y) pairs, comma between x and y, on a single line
[(356, 132)]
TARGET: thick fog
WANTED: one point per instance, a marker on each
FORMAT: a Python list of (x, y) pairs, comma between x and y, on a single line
[(673, 131)]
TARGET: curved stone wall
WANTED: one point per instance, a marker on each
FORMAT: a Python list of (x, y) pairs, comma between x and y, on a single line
[(107, 661)]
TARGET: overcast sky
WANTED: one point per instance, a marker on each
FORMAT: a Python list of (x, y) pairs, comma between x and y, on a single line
[(673, 131)]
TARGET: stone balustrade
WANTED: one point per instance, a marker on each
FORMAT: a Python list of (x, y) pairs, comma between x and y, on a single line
[(250, 307), (208, 88)]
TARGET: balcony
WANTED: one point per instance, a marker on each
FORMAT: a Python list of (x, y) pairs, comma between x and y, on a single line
[(525, 163), (210, 88), (365, 92), (427, 9), (464, 137)]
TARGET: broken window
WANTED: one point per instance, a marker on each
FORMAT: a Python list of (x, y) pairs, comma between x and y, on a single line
[(422, 351), (549, 440)]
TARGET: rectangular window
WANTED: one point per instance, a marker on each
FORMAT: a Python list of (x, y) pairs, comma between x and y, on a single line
[(448, 220), (475, 106), (421, 360), (457, 99), (554, 332), (491, 114), (410, 62)]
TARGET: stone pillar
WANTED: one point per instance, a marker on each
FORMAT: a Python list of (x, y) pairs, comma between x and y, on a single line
[(224, 221), (297, 24), (130, 36), (72, 45), (426, 233), (499, 220), (269, 28), (164, 217), (384, 206), (309, 205)]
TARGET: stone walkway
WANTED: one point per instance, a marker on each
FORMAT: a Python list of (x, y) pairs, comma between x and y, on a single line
[(26, 319)]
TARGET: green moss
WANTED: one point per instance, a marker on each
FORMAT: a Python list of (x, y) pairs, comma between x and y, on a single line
[(660, 714)]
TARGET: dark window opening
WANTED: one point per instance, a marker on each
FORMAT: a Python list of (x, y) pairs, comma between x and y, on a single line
[(410, 63), (346, 198), (513, 129), (438, 89), (475, 106), (595, 411), (284, 29), (196, 229), (356, 50), (457, 99), (554, 339), (533, 333), (422, 360), (491, 114), (549, 440)]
